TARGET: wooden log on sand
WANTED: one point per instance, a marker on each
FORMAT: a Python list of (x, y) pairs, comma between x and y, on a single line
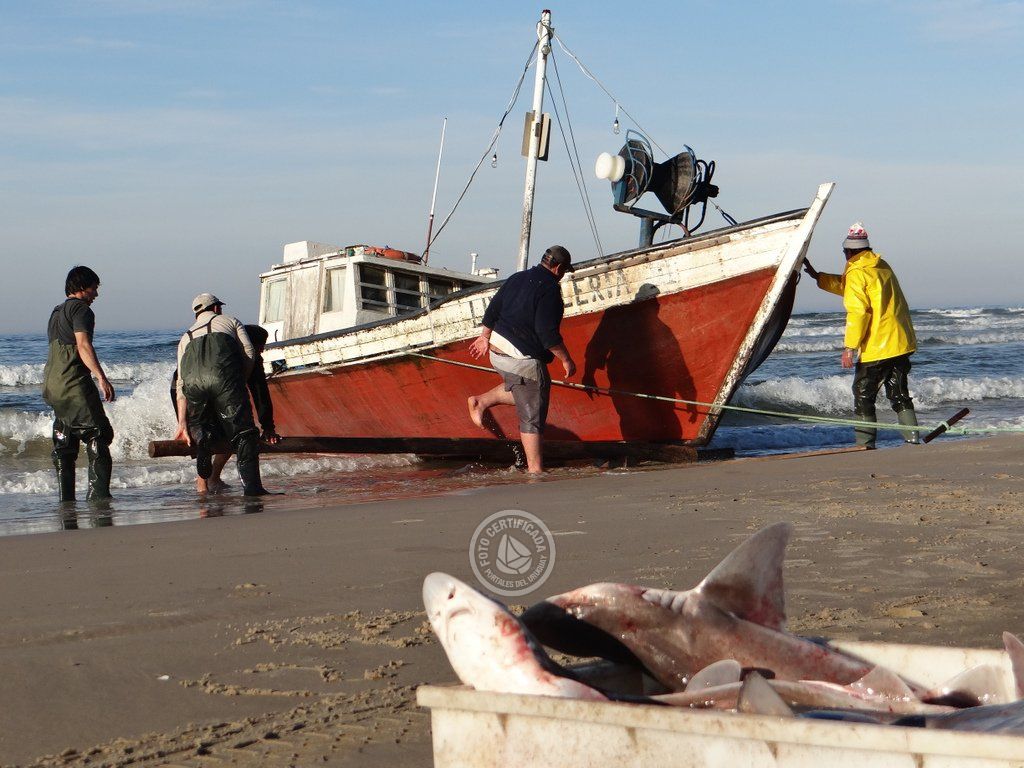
[(440, 447)]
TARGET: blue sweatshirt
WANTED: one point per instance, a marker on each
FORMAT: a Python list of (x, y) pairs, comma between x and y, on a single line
[(527, 310)]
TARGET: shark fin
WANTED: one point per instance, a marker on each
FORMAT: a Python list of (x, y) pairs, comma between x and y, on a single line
[(748, 582), (985, 683), (1015, 650), (716, 674), (883, 683), (757, 697)]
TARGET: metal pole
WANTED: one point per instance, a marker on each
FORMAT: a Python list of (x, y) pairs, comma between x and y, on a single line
[(433, 197), (544, 33)]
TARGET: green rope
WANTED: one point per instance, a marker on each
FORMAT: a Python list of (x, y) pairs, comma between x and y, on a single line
[(778, 414), (740, 409)]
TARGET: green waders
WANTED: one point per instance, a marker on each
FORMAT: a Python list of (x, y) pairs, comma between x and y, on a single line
[(213, 382), (867, 380), (79, 417)]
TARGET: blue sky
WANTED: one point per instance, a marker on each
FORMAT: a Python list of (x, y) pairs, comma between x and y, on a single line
[(176, 146)]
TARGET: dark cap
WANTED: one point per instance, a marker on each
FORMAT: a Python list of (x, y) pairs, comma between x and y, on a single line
[(557, 255)]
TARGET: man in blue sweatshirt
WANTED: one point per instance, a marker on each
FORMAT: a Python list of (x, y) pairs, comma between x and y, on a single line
[(521, 335)]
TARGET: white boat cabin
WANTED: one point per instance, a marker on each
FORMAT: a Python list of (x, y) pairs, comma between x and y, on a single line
[(321, 288)]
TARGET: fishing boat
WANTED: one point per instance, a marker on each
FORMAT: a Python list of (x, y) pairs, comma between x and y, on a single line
[(373, 343)]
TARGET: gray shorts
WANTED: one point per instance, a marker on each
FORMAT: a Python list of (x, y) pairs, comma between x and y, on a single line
[(530, 392)]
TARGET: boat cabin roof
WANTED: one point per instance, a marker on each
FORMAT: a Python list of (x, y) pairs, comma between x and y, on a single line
[(320, 288)]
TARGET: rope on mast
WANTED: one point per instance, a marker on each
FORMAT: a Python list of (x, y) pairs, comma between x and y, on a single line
[(574, 159), (618, 104), (490, 146)]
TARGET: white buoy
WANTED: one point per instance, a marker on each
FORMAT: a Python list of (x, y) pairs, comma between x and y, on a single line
[(609, 166)]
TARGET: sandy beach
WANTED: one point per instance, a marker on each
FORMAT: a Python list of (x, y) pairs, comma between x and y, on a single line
[(297, 637)]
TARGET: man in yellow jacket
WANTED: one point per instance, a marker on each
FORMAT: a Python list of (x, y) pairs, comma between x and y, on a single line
[(878, 326)]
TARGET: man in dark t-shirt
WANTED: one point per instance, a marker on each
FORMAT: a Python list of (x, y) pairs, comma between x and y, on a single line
[(68, 388), (520, 331)]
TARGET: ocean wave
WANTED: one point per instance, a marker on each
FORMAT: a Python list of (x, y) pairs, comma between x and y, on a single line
[(957, 313), (146, 414), (1002, 319), (995, 337), (832, 394), (827, 395), (932, 391), (836, 329), (22, 427), (995, 424), (181, 471), (29, 374), (809, 346), (21, 375), (799, 345)]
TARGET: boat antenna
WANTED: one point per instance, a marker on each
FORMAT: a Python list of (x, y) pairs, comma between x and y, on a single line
[(433, 197), (544, 32)]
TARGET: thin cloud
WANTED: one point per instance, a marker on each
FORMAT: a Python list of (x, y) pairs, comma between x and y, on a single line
[(201, 94), (387, 90), (104, 44), (972, 21), (172, 7)]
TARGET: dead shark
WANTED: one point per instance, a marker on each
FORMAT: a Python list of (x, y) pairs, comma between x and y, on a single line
[(771, 697), (488, 647), (736, 612), (1003, 717), (721, 686)]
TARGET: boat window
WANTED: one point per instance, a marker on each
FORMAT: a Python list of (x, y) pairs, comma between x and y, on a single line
[(273, 301), (373, 288), (334, 293), (407, 293), (441, 287)]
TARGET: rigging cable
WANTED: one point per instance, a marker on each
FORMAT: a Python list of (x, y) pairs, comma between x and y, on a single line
[(608, 93), (575, 164), (494, 140), (619, 107)]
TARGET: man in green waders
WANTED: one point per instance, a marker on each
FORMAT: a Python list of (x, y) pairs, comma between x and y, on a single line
[(68, 388), (215, 358)]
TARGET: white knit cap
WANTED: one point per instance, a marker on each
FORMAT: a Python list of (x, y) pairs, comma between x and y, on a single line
[(856, 238)]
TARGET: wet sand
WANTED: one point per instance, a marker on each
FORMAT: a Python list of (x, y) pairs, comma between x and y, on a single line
[(296, 636)]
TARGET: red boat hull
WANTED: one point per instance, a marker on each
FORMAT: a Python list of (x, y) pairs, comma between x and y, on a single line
[(676, 346)]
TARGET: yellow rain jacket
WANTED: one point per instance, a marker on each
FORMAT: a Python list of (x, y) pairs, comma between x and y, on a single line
[(877, 315)]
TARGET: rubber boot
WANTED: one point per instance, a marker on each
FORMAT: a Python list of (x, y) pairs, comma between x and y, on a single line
[(865, 436), (65, 467), (100, 466), (248, 458), (908, 418)]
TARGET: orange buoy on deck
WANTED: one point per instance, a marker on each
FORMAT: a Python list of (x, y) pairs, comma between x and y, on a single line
[(393, 253)]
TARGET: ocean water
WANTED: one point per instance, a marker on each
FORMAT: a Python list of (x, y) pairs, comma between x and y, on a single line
[(971, 357)]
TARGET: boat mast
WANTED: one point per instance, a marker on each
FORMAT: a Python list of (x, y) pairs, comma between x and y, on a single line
[(544, 33)]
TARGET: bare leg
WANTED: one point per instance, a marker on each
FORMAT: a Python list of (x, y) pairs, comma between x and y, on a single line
[(532, 446), (215, 484), (480, 403)]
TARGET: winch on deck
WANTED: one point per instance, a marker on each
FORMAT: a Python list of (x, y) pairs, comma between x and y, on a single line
[(679, 183)]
